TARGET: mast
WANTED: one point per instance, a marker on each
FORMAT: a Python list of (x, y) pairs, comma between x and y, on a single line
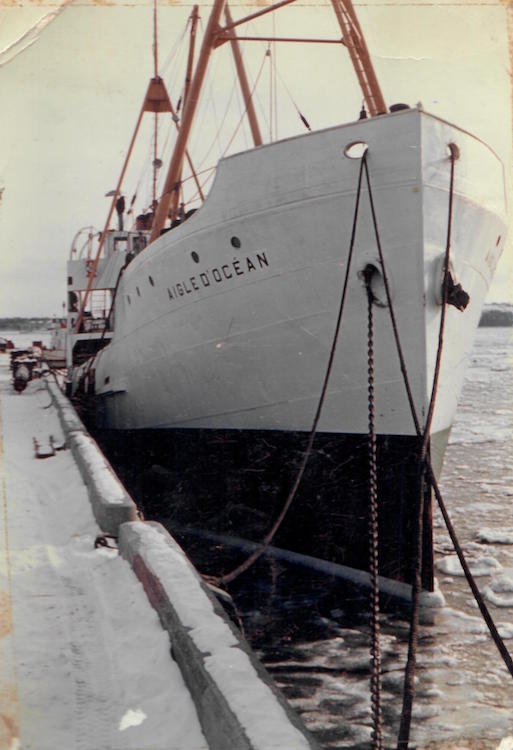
[(243, 80), (190, 59), (172, 180), (188, 77), (156, 100), (355, 42)]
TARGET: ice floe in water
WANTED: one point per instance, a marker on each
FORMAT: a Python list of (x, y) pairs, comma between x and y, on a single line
[(502, 584), (505, 632), (495, 536), (463, 622), (482, 566), (498, 599)]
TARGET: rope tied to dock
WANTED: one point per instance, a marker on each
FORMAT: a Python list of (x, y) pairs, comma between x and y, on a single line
[(231, 576)]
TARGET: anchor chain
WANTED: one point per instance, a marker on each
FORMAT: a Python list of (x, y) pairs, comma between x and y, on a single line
[(377, 720)]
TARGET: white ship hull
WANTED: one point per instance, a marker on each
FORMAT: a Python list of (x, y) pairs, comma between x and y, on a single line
[(241, 338), (223, 329)]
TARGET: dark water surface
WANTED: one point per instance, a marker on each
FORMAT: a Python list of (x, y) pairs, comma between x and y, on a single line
[(311, 629)]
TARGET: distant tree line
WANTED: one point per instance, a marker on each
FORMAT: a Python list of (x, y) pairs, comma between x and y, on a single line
[(497, 316), (492, 315), (24, 324)]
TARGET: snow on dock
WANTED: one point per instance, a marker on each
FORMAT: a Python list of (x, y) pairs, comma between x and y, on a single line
[(84, 660), (75, 670)]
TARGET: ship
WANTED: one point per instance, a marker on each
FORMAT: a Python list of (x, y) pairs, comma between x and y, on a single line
[(241, 336)]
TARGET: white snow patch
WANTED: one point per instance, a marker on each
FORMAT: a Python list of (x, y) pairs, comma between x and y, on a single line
[(432, 599), (255, 706), (101, 473), (132, 719), (88, 644), (505, 744)]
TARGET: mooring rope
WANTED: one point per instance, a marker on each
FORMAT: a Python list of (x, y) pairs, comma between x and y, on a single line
[(429, 473), (228, 577), (411, 662)]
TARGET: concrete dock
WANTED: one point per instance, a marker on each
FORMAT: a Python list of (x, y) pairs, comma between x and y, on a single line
[(86, 632)]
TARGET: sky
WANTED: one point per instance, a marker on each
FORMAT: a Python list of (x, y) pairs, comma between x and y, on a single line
[(72, 86)]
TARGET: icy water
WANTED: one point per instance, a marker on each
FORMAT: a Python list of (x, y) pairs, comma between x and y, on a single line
[(311, 630)]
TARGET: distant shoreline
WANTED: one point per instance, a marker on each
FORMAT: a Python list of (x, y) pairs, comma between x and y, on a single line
[(25, 325), (494, 315)]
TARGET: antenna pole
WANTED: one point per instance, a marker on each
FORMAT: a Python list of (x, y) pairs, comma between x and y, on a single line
[(155, 41), (155, 116)]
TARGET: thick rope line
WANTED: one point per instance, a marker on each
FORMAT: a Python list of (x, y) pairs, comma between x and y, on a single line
[(400, 353), (411, 662), (497, 639), (501, 646), (375, 652), (228, 577), (445, 291)]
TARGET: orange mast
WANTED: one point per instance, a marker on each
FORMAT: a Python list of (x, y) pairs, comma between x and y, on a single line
[(156, 100), (172, 183), (244, 85), (355, 42), (188, 77)]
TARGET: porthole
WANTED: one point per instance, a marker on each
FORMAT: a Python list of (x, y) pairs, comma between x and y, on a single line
[(138, 291), (235, 242), (195, 256), (151, 281), (129, 300), (106, 380), (355, 149)]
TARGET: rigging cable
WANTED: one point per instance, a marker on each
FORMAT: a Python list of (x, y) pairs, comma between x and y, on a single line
[(299, 113), (212, 169), (228, 577)]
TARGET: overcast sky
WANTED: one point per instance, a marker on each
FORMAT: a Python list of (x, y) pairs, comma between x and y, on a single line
[(71, 90)]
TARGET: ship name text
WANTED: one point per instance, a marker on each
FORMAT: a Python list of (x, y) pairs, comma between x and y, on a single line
[(218, 275)]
